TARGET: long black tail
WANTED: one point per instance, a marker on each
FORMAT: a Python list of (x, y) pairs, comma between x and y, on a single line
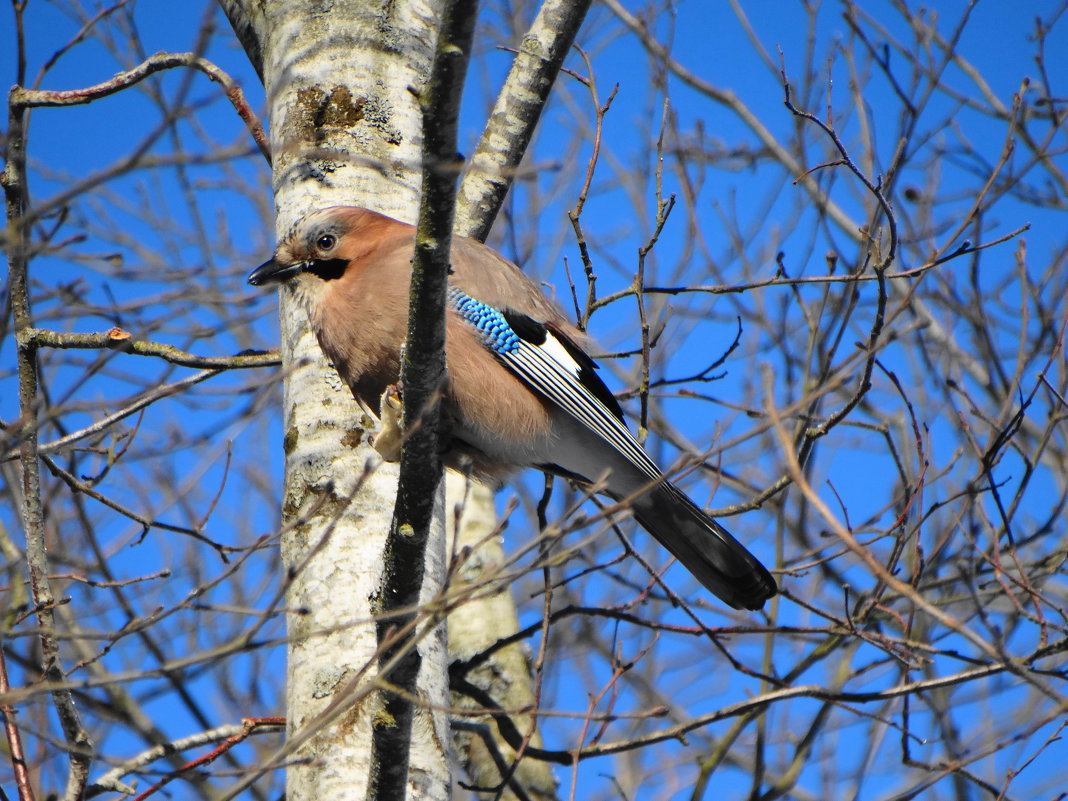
[(704, 547)]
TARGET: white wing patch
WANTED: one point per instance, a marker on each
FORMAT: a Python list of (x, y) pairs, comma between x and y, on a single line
[(558, 353)]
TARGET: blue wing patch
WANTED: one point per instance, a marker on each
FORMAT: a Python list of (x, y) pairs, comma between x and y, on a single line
[(497, 334)]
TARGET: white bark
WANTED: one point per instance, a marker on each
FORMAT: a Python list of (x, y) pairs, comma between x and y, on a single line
[(344, 129)]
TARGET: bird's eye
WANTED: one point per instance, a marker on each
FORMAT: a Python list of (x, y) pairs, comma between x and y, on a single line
[(326, 242)]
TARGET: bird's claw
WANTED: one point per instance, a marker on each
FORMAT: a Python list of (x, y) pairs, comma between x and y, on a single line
[(390, 434)]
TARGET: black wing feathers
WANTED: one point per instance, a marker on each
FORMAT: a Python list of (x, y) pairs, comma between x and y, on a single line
[(530, 330)]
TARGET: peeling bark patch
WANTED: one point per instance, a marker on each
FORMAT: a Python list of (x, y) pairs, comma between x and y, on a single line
[(353, 437), (321, 111), (290, 509), (289, 441)]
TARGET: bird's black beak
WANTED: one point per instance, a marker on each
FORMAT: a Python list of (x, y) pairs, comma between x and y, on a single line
[(274, 272)]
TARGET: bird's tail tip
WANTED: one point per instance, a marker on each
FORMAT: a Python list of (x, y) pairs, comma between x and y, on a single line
[(714, 557)]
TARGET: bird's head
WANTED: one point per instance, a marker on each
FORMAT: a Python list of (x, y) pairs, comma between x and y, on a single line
[(318, 245)]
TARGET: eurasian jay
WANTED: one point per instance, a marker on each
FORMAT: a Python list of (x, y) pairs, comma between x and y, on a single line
[(522, 389)]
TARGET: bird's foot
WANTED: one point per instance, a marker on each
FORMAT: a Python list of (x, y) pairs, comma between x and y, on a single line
[(390, 434)]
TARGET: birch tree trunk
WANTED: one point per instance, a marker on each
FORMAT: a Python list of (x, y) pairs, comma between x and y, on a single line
[(345, 129), (482, 620)]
